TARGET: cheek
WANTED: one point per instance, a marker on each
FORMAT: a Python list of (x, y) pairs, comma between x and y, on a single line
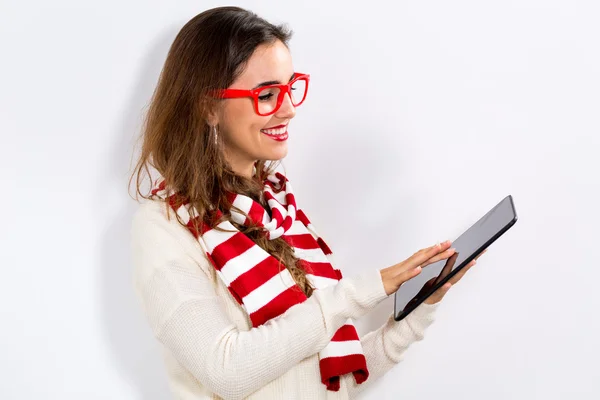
[(242, 123)]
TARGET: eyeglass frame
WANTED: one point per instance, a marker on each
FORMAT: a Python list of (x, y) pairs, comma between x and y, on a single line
[(253, 93)]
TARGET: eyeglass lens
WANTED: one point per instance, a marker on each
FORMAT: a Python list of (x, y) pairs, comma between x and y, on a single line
[(267, 98)]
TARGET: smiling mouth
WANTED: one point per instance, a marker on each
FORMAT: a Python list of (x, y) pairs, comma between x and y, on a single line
[(275, 131)]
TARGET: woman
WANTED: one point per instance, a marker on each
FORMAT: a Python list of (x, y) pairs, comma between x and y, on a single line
[(233, 278)]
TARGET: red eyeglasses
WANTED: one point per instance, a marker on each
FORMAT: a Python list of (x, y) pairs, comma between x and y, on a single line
[(268, 99)]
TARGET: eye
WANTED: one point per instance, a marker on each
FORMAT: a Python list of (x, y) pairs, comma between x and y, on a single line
[(264, 97), (268, 94)]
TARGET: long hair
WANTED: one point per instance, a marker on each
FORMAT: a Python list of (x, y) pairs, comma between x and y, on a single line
[(209, 52)]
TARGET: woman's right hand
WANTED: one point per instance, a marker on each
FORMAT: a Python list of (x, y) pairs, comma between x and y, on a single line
[(393, 277)]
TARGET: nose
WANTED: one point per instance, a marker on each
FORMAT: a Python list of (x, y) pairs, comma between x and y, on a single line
[(287, 109)]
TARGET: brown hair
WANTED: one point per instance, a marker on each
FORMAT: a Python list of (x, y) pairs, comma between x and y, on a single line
[(209, 52)]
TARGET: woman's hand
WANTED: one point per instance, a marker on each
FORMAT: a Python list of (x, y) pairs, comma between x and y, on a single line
[(439, 294), (393, 277)]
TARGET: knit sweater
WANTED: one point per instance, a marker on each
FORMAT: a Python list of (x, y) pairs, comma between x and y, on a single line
[(210, 348)]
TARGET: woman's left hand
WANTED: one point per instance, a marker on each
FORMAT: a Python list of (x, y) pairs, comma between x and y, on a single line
[(439, 294)]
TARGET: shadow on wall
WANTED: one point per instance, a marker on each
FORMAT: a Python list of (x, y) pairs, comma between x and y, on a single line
[(136, 353)]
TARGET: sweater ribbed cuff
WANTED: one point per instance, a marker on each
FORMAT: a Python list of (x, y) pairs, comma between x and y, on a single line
[(425, 313), (399, 335)]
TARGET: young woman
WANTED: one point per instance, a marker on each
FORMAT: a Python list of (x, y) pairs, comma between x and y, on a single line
[(233, 278)]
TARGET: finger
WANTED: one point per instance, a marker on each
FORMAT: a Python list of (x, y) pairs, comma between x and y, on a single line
[(449, 265), (423, 255), (441, 256), (406, 275), (439, 294), (446, 254), (457, 277), (480, 254)]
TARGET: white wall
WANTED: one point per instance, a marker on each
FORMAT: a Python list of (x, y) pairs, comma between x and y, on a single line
[(421, 116)]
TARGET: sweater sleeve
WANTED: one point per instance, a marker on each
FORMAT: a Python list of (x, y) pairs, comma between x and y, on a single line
[(385, 347), (187, 316)]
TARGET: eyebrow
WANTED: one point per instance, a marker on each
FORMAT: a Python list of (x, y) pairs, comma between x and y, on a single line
[(272, 82)]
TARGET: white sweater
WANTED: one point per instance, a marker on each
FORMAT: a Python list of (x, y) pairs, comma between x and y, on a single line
[(212, 351)]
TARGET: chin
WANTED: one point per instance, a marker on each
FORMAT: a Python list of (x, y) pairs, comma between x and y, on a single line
[(280, 154), (276, 155)]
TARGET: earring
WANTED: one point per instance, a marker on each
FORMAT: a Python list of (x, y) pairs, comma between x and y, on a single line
[(215, 134)]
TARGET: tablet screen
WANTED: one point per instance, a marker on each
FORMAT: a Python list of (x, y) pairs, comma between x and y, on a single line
[(479, 236)]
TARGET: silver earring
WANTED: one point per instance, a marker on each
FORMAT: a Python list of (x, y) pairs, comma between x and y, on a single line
[(215, 134)]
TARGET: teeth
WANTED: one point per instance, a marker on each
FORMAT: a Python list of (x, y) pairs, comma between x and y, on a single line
[(279, 131)]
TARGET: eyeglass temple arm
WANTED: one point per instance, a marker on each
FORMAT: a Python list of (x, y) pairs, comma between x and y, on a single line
[(232, 93)]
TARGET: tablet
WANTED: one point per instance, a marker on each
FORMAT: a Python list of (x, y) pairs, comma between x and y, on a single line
[(468, 246)]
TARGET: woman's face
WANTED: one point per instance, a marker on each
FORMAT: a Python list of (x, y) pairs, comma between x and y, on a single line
[(241, 128)]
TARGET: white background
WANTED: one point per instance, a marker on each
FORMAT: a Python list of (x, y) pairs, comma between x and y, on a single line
[(421, 116)]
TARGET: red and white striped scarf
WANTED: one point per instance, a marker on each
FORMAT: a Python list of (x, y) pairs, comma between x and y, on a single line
[(255, 278)]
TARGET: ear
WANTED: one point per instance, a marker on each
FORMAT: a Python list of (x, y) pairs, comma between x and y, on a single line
[(211, 112), (212, 117)]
